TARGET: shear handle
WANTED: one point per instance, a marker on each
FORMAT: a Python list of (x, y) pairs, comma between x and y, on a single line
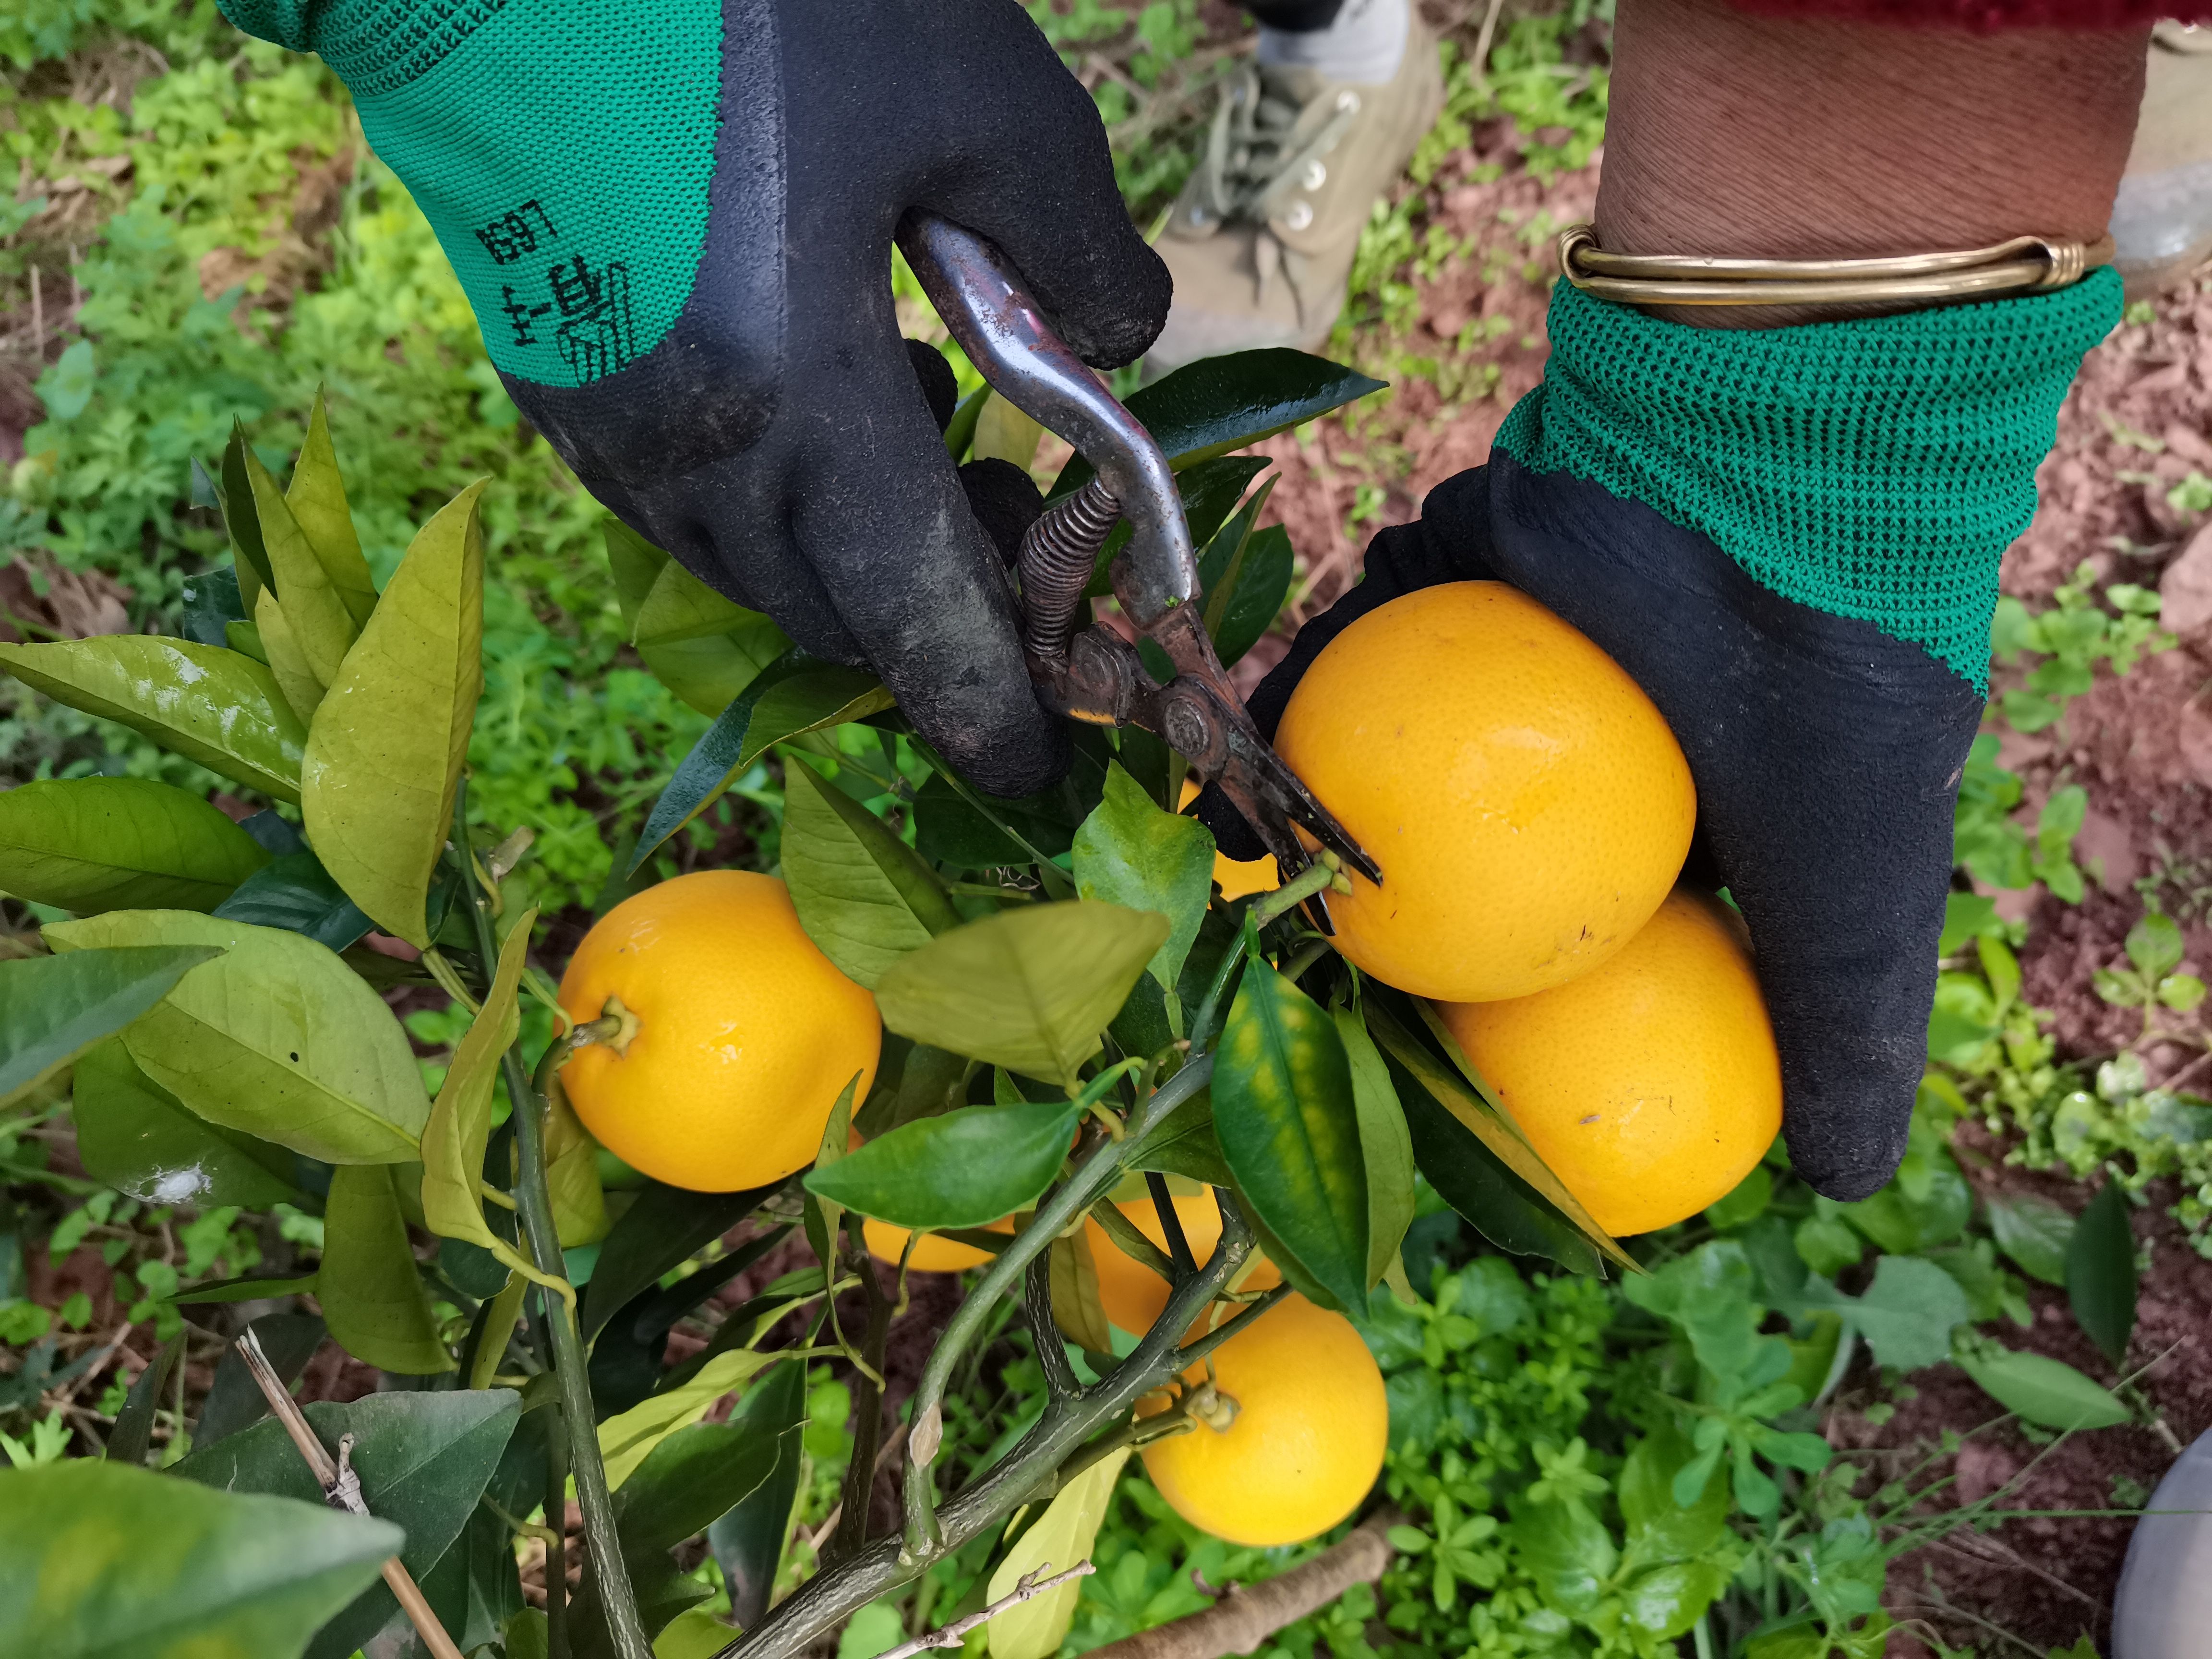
[(1004, 333)]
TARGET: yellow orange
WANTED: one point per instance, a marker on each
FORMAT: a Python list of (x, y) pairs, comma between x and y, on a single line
[(1310, 1422), (934, 1255), (745, 1034), (1238, 878), (1132, 1294), (1527, 802), (1651, 1086)]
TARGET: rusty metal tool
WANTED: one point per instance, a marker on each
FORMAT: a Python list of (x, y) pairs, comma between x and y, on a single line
[(1096, 675)]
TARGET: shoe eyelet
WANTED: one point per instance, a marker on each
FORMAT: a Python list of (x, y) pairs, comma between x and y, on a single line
[(1316, 175), (1297, 216), (1348, 101)]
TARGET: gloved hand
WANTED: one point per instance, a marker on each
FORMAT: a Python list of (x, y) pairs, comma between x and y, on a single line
[(1826, 756), (675, 225)]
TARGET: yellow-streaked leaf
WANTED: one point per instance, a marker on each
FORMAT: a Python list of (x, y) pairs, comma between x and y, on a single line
[(1063, 1535), (317, 499), (295, 679), (454, 1140), (385, 749), (321, 621)]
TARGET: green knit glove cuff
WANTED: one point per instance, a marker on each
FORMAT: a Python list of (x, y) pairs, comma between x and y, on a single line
[(1876, 469), (561, 149)]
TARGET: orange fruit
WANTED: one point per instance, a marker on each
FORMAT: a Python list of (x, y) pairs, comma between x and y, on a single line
[(744, 1033), (1238, 877), (1651, 1085), (1527, 802), (1301, 1443), (1133, 1295), (933, 1254)]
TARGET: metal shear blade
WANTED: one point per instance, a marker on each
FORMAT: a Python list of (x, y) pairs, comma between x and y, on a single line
[(1097, 675)]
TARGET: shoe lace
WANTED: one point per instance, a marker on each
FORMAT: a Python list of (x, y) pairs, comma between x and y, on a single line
[(1251, 161)]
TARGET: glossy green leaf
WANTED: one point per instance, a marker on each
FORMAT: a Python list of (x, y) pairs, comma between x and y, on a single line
[(2034, 1232), (132, 1436), (1030, 989), (571, 1175), (862, 894), (1184, 1144), (2101, 1272), (747, 1541), (317, 499), (277, 645), (1659, 1528), (384, 755), (965, 1169), (1386, 1148), (234, 1399), (52, 1009), (662, 1229), (1478, 1112), (212, 603), (1061, 1537), (705, 648), (692, 1479), (99, 1560), (295, 893), (1214, 406), (95, 844), (424, 1459), (794, 696), (1666, 1601), (459, 1127), (276, 1037), (209, 705), (628, 1439), (1129, 851), (313, 608), (138, 1138), (1284, 1113), (1245, 572), (2047, 1392), (372, 1295), (1210, 492), (251, 1288), (242, 522)]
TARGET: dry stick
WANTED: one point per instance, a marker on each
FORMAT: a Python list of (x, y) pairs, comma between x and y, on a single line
[(1243, 1619), (1027, 1587), (342, 1490)]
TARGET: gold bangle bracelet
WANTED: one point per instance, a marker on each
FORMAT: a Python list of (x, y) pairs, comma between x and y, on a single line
[(2025, 265)]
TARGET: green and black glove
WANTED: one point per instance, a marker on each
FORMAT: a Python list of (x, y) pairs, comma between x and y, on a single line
[(1790, 537), (674, 221)]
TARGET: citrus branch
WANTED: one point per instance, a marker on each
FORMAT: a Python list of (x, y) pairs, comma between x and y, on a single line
[(536, 1202), (1027, 1587)]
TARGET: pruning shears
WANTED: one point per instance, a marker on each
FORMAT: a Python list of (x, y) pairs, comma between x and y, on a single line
[(1096, 675)]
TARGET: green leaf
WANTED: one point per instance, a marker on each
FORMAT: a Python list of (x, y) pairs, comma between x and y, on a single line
[(1569, 1551), (1214, 406), (137, 1137), (1480, 1114), (965, 1169), (661, 1229), (317, 499), (628, 1439), (276, 1037), (277, 645), (234, 1401), (460, 1128), (747, 1541), (95, 844), (1907, 1313), (1062, 1536), (1283, 1111), (571, 1175), (133, 1435), (1667, 1601), (313, 608), (384, 755), (793, 697), (251, 1288), (1659, 1528), (1184, 1144), (242, 522), (295, 893), (862, 894), (1030, 989), (1744, 1203), (2035, 1233), (1129, 852), (692, 1479), (1246, 574), (100, 1561), (2101, 1272), (54, 1008), (207, 704), (2154, 944), (424, 1459), (1385, 1146), (372, 1295), (2046, 1392), (705, 648)]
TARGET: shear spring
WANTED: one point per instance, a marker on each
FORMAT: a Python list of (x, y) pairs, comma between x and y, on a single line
[(1058, 555)]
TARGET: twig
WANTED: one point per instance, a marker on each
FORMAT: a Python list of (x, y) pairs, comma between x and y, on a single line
[(342, 1490), (868, 1422), (1481, 56), (1027, 1587), (1246, 1617)]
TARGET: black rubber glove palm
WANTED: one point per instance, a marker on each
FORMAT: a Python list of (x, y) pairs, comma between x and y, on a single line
[(1827, 755), (776, 441)]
